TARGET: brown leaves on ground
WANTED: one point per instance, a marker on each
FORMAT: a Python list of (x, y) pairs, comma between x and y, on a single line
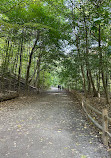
[(99, 104)]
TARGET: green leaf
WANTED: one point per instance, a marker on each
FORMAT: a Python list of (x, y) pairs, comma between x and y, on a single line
[(83, 156)]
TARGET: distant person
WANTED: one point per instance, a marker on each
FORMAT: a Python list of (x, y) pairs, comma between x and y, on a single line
[(59, 87)]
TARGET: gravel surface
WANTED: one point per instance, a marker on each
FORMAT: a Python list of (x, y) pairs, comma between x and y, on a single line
[(48, 125)]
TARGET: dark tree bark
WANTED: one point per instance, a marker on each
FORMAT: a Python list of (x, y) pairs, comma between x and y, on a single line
[(20, 64), (82, 68), (102, 67), (37, 81), (30, 59), (98, 80), (95, 93), (89, 83)]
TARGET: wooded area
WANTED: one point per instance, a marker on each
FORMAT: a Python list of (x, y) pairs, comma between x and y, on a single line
[(49, 42)]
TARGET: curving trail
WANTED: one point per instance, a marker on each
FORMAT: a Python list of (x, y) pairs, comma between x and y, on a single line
[(50, 125)]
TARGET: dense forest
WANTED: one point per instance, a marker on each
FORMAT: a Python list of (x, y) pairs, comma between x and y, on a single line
[(50, 42)]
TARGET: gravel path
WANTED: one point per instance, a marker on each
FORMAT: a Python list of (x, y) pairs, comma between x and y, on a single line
[(50, 125)]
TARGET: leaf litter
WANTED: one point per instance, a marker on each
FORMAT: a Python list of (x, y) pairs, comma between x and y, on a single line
[(40, 123)]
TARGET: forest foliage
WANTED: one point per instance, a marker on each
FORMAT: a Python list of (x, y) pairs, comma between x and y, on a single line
[(50, 42)]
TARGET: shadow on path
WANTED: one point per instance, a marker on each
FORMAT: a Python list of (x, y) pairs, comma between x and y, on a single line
[(51, 126)]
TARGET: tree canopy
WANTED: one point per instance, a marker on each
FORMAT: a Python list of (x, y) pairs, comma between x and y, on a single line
[(48, 41)]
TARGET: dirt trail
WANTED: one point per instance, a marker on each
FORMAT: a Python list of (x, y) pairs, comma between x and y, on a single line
[(50, 125)]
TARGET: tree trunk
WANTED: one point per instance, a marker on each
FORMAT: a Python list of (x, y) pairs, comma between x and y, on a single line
[(89, 83), (20, 65), (35, 70), (5, 64), (102, 67), (30, 59), (38, 73), (82, 69), (95, 93), (9, 96), (98, 80)]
